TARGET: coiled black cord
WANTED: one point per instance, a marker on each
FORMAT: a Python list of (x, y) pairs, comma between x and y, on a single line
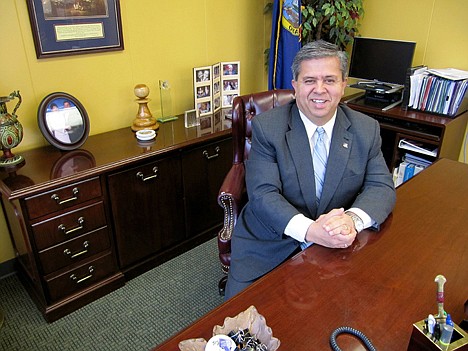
[(352, 331)]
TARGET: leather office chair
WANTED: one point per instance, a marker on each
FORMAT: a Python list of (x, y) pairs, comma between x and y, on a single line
[(232, 194)]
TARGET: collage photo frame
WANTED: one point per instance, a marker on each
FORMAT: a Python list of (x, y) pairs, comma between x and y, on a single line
[(215, 88)]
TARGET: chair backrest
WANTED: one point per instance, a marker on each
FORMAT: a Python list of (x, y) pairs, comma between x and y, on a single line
[(244, 109)]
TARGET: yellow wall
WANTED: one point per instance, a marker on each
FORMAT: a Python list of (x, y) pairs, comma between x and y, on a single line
[(164, 40)]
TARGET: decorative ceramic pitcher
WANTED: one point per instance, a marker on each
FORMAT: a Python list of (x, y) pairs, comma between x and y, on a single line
[(11, 131)]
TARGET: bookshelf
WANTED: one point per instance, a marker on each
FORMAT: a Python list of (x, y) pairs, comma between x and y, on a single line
[(441, 134)]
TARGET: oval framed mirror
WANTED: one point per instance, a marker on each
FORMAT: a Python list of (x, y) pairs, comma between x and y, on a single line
[(63, 121)]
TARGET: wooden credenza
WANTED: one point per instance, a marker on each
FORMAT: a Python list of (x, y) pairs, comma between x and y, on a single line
[(84, 221)]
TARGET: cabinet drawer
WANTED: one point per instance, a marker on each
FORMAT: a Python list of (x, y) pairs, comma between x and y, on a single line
[(69, 225), (75, 250), (81, 277), (61, 198)]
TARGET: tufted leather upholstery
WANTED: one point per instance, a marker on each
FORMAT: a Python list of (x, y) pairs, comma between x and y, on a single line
[(232, 194)]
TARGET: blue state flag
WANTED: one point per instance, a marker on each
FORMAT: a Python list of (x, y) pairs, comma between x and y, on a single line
[(285, 42)]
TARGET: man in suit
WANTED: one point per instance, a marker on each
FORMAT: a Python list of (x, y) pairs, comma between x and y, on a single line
[(287, 211)]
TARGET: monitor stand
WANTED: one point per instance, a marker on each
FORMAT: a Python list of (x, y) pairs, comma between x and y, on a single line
[(378, 95)]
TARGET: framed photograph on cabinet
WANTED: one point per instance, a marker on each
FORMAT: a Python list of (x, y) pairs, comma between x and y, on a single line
[(62, 28), (63, 121)]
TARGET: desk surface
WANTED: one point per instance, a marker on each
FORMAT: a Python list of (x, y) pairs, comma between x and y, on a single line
[(380, 285), (48, 165)]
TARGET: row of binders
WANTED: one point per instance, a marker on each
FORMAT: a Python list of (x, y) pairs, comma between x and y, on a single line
[(408, 168), (441, 91)]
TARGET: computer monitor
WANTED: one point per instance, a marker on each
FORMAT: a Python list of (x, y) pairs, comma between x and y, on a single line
[(381, 60)]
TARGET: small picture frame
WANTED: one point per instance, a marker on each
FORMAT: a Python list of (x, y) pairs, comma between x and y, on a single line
[(204, 107), (217, 103), (191, 118), (203, 91), (202, 74), (230, 82), (230, 68), (230, 85)]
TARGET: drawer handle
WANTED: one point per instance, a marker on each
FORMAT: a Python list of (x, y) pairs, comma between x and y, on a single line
[(77, 280), (72, 230), (55, 197), (208, 156), (68, 252), (143, 178)]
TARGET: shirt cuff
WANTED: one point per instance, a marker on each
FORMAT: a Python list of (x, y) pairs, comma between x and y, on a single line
[(366, 219), (297, 227)]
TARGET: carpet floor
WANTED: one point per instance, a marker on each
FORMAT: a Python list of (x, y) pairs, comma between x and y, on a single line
[(142, 314)]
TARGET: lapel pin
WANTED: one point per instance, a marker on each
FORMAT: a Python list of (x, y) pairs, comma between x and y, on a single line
[(345, 145)]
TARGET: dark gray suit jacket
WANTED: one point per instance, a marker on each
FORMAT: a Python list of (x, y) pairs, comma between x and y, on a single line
[(280, 183)]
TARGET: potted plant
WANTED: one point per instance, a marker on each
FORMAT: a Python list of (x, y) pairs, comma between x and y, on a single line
[(334, 21)]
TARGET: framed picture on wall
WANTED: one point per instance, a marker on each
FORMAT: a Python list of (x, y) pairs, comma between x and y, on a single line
[(62, 28)]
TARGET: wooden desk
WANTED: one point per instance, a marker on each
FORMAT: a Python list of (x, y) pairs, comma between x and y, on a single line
[(380, 285)]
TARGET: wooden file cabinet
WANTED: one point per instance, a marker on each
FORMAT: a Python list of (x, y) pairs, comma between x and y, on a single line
[(65, 246), (124, 207)]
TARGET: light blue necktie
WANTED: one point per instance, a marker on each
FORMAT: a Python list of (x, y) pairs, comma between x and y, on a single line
[(320, 162), (319, 158)]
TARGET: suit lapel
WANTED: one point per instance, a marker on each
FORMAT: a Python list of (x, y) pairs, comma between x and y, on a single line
[(340, 149), (300, 152)]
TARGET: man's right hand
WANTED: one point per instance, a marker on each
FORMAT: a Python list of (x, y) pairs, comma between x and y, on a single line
[(318, 234)]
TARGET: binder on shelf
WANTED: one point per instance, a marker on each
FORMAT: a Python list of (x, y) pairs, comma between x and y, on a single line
[(417, 147), (406, 90), (405, 171), (439, 91)]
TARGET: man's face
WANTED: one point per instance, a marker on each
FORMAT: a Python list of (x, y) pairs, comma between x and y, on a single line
[(319, 88)]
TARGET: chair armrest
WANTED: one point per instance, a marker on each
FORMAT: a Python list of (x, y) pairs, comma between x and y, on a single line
[(231, 197)]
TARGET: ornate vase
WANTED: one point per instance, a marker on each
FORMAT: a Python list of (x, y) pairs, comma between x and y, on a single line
[(11, 131)]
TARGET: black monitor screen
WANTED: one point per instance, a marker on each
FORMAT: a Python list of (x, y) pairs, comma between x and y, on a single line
[(380, 59)]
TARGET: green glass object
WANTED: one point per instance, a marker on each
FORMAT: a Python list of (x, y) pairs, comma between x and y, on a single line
[(11, 131), (166, 100)]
